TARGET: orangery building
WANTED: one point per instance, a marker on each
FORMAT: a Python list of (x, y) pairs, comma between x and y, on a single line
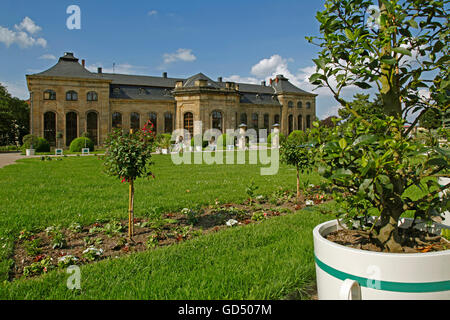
[(70, 100)]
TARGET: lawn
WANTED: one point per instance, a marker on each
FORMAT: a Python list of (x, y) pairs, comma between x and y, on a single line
[(269, 260)]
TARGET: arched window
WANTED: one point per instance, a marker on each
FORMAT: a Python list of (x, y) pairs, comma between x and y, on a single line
[(189, 123), (49, 95), (255, 119), (217, 120), (243, 118), (50, 127), (276, 119), (308, 121), (290, 104), (300, 122), (135, 121), (153, 117), (71, 96), (92, 96), (117, 120), (266, 121), (92, 126), (290, 123), (299, 104), (308, 105), (71, 127), (168, 122)]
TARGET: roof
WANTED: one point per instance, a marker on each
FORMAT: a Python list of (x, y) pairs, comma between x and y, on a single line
[(68, 66), (150, 87)]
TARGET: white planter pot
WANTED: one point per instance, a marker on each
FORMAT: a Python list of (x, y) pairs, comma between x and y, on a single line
[(198, 149), (30, 152), (347, 273), (164, 151)]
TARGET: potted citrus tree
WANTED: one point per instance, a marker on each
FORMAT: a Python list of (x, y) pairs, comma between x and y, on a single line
[(384, 244)]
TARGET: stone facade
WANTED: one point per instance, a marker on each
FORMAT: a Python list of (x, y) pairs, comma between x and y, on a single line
[(70, 100)]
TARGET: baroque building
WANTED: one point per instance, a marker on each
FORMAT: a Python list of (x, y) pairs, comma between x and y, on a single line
[(69, 99)]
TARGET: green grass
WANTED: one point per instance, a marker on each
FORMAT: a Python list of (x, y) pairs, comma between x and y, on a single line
[(264, 261)]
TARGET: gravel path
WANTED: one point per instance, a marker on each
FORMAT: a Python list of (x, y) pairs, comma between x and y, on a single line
[(9, 158)]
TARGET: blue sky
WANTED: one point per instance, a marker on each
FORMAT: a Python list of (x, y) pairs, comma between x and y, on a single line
[(246, 41)]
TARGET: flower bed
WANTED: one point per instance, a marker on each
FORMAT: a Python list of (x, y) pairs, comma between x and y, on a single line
[(43, 250)]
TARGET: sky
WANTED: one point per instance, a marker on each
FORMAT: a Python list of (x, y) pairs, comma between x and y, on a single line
[(243, 41)]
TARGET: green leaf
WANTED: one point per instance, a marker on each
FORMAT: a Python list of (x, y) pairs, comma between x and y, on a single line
[(349, 34), (413, 23), (363, 85), (403, 51), (342, 143)]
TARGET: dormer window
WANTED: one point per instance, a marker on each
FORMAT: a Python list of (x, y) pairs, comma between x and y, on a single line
[(116, 91), (49, 95), (71, 96), (92, 96), (142, 91)]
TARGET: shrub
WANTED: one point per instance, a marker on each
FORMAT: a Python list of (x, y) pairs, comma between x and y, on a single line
[(296, 135), (163, 140), (39, 144), (282, 138), (199, 137), (80, 143)]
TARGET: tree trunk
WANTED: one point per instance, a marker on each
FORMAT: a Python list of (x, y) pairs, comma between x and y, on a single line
[(390, 89), (131, 211), (388, 235), (298, 183)]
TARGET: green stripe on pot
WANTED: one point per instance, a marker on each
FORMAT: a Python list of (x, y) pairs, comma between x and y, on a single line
[(386, 285)]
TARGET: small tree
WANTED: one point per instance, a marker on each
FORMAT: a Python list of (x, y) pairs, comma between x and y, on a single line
[(128, 157), (296, 151)]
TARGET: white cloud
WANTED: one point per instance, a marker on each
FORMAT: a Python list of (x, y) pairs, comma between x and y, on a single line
[(28, 25), (180, 55), (152, 13), (17, 89), (47, 57), (331, 111), (21, 37), (237, 78)]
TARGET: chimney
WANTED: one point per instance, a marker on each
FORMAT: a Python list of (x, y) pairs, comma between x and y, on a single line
[(99, 70), (83, 63), (164, 75), (219, 79), (263, 83)]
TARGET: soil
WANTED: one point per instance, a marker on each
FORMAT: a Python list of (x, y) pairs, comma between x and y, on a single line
[(172, 228), (415, 241)]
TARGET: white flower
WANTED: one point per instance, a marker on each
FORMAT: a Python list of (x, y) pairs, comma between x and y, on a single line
[(259, 197), (311, 186), (69, 257), (309, 202), (96, 251), (232, 222)]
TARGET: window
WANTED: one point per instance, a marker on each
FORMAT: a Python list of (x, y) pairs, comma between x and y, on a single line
[(91, 126), (217, 120), (243, 118), (154, 120), (142, 91), (290, 104), (276, 119), (308, 105), (189, 123), (290, 123), (300, 122), (71, 127), (117, 120), (71, 96), (92, 96), (116, 91), (50, 127), (266, 121), (49, 95), (299, 104), (308, 121), (168, 122), (135, 121), (255, 121)]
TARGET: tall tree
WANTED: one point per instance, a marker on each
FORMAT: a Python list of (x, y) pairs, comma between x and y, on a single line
[(14, 118)]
